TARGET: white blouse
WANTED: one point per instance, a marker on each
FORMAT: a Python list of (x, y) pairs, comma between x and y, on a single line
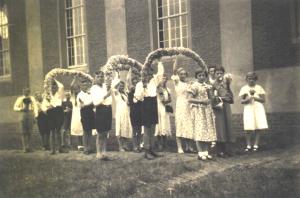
[(19, 105), (57, 98), (98, 94), (84, 99)]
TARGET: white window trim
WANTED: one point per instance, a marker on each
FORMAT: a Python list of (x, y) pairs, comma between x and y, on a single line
[(84, 43), (169, 17)]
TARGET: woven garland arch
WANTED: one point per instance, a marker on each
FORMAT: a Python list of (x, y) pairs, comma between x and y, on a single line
[(121, 63), (161, 52), (54, 73)]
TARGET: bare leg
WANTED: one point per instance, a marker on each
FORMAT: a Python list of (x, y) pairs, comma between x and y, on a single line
[(248, 139), (179, 144), (120, 141), (256, 141)]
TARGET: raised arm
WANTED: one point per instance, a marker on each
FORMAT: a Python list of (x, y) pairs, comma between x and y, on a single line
[(18, 104)]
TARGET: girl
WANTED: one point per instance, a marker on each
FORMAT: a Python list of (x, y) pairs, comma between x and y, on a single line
[(222, 110), (184, 126), (211, 74), (84, 99), (146, 92), (163, 128), (202, 114), (27, 105), (123, 124), (42, 121), (252, 97), (102, 100), (76, 126)]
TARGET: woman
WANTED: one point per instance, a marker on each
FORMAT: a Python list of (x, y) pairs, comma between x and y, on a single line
[(222, 110), (184, 126)]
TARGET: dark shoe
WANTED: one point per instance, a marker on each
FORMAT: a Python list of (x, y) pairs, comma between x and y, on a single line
[(154, 154), (148, 156), (61, 150)]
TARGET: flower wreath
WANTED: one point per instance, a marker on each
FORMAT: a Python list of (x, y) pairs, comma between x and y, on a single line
[(121, 63), (51, 75), (156, 54)]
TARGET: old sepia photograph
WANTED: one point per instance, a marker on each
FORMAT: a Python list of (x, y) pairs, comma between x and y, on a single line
[(149, 98)]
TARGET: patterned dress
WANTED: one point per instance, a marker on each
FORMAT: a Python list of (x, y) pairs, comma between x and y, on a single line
[(183, 120), (202, 115)]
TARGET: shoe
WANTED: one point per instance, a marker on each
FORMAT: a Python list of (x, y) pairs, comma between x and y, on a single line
[(209, 157), (247, 149), (221, 154), (137, 150), (148, 155), (255, 148), (87, 152), (121, 149), (154, 154), (202, 157), (80, 148), (61, 150), (180, 151)]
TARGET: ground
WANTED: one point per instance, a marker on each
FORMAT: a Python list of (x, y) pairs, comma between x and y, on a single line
[(270, 173)]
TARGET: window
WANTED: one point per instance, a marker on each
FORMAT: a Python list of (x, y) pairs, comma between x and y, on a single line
[(172, 23), (295, 20), (4, 43), (76, 34)]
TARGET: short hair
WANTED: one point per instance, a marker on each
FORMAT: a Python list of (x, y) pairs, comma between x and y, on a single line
[(251, 74), (212, 66), (99, 72), (220, 68), (200, 70)]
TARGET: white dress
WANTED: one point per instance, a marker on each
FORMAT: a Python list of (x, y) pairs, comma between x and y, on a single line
[(123, 124), (183, 119), (76, 126), (254, 113), (163, 127)]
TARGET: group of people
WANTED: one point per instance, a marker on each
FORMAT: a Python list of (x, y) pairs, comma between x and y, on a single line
[(143, 108)]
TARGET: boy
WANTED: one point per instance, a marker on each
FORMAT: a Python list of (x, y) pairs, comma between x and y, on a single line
[(26, 104), (67, 107)]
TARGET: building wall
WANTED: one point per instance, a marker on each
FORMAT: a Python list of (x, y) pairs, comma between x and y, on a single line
[(96, 34), (272, 42), (205, 30), (138, 29)]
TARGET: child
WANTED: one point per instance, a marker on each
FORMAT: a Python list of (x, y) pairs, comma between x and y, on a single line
[(163, 128), (135, 116), (211, 74), (123, 124), (27, 105), (76, 126), (222, 110), (42, 121), (84, 99), (102, 100), (202, 114), (255, 121), (67, 107), (146, 92), (56, 115)]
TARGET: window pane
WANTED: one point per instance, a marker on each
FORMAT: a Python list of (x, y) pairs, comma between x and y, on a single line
[(183, 6), (184, 31), (176, 7), (68, 3), (161, 35), (160, 12), (160, 25), (161, 44), (184, 42), (4, 42)]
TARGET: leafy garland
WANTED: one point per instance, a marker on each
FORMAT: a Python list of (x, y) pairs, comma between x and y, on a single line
[(51, 75), (161, 52), (121, 63)]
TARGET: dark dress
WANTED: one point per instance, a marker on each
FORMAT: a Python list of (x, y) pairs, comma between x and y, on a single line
[(135, 110), (56, 118), (223, 115), (42, 122)]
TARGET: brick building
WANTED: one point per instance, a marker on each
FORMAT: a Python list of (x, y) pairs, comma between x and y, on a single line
[(241, 35)]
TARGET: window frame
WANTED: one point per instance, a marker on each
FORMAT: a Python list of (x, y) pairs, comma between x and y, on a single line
[(169, 17), (295, 21), (83, 35), (6, 77)]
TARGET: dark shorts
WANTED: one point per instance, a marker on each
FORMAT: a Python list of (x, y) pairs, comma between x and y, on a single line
[(87, 118), (103, 118), (27, 122), (56, 118), (42, 122), (149, 112)]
